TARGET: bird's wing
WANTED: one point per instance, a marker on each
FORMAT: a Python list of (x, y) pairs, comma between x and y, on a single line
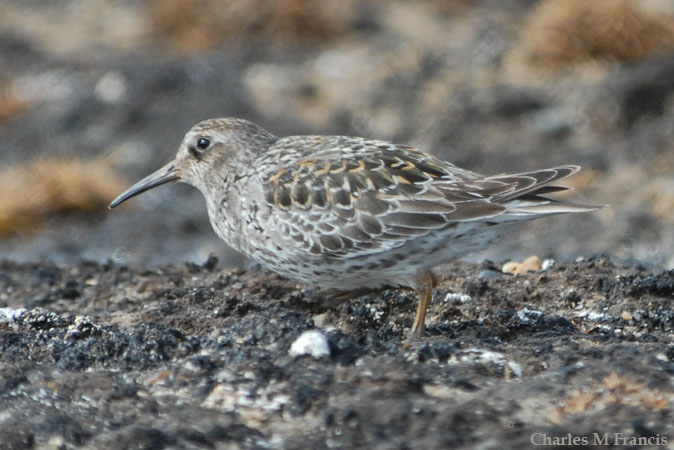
[(350, 196)]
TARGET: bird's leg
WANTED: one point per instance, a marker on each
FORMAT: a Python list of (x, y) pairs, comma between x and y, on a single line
[(425, 285)]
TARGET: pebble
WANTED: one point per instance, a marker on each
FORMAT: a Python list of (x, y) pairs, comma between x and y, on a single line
[(461, 298), (489, 274), (528, 316), (516, 368), (311, 342), (10, 314)]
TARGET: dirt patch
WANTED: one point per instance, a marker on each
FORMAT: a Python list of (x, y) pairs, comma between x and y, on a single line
[(104, 356)]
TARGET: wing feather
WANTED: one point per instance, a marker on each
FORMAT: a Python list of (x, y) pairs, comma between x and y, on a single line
[(350, 196)]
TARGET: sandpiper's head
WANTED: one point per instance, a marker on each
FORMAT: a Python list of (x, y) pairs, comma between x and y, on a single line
[(211, 152)]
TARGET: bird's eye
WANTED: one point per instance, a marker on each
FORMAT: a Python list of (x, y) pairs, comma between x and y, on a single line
[(203, 143)]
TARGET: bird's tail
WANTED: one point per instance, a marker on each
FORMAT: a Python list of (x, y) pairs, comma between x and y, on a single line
[(529, 199), (543, 206)]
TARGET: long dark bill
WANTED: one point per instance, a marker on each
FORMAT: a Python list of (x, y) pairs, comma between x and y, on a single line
[(162, 176)]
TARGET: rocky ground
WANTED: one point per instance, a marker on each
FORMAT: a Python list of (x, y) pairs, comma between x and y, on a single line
[(166, 339), (189, 356)]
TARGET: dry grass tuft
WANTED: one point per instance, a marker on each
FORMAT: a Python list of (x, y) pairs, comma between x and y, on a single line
[(11, 105), (194, 25), (449, 7), (49, 186), (661, 196), (614, 389), (563, 33)]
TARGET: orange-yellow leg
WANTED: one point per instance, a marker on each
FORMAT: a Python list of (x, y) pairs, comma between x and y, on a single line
[(426, 283)]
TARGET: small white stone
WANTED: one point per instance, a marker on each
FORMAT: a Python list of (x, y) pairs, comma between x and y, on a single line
[(548, 263), (323, 321), (527, 315), (311, 342), (462, 298), (478, 355), (598, 317), (516, 368), (662, 357), (10, 314), (490, 356)]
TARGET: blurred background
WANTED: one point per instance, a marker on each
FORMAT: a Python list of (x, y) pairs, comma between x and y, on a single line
[(95, 94)]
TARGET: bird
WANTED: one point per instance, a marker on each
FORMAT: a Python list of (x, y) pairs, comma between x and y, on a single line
[(350, 213)]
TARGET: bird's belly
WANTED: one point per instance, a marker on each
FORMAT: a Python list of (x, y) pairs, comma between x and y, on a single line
[(395, 267)]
